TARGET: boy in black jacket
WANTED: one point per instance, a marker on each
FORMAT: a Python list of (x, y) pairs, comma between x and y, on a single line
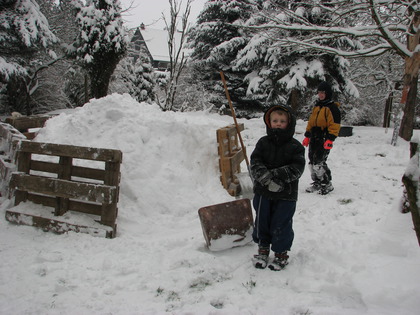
[(277, 163)]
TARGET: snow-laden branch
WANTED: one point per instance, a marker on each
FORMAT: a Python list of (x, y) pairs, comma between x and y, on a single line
[(369, 52), (374, 21), (387, 34), (359, 31)]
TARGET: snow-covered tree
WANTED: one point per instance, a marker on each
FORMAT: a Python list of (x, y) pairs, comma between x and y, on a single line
[(141, 80), (280, 73), (365, 28), (61, 16), (101, 43), (53, 79), (215, 42), (379, 82), (25, 39), (23, 31)]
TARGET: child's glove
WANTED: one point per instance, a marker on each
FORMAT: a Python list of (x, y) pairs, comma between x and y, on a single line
[(274, 187), (264, 178), (328, 144), (305, 142)]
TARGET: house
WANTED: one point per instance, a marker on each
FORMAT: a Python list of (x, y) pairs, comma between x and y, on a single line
[(155, 43)]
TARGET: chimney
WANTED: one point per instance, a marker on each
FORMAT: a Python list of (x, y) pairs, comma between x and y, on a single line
[(142, 26)]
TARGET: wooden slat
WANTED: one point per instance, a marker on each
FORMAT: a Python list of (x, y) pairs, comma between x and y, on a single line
[(26, 122), (86, 172), (57, 225), (5, 167), (234, 160), (42, 200), (63, 188), (84, 207), (76, 152), (76, 171), (74, 205), (30, 135), (43, 166)]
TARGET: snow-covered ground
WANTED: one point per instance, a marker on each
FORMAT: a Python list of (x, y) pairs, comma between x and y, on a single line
[(354, 252)]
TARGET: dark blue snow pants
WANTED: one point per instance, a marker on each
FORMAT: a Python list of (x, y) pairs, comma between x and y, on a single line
[(273, 223)]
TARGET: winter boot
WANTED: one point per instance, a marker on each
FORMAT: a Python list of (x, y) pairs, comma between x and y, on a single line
[(279, 262), (260, 260), (315, 186), (326, 189)]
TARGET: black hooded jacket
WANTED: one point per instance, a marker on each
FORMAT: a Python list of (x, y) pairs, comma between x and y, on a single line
[(278, 157)]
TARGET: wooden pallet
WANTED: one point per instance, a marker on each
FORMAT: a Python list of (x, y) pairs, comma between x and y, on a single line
[(25, 123), (230, 157), (48, 175)]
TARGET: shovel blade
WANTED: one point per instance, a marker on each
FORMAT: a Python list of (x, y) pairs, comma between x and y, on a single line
[(227, 225)]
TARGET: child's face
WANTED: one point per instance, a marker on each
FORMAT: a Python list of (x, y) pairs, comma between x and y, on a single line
[(322, 95), (278, 120)]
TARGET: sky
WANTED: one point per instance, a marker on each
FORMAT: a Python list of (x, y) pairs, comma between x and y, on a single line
[(354, 252), (150, 12)]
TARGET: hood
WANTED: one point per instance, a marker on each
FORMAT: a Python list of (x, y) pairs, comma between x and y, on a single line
[(280, 135), (325, 87)]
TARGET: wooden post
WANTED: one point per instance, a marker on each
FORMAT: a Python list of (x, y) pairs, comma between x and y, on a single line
[(64, 172), (24, 166), (109, 209)]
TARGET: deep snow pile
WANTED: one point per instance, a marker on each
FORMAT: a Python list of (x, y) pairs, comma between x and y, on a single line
[(354, 252)]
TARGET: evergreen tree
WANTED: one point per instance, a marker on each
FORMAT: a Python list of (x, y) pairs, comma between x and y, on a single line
[(278, 73), (215, 41), (53, 81), (25, 38), (24, 31), (141, 78), (61, 16), (101, 43)]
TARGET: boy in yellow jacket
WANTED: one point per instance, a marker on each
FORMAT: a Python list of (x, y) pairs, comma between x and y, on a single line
[(322, 129)]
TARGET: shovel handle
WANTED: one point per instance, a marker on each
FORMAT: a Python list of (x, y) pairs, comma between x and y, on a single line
[(234, 119)]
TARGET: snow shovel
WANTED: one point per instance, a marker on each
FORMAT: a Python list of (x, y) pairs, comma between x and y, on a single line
[(227, 225), (245, 180)]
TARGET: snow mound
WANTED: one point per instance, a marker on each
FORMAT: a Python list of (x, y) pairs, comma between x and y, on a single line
[(162, 151)]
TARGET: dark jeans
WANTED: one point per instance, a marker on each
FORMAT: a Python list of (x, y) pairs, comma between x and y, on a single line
[(318, 156), (273, 223)]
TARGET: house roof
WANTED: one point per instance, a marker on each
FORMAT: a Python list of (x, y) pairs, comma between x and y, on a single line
[(157, 42)]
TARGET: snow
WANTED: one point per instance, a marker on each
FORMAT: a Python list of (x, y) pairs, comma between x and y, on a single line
[(7, 69), (354, 251)]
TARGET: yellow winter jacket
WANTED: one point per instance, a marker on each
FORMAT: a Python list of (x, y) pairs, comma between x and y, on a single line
[(325, 117)]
